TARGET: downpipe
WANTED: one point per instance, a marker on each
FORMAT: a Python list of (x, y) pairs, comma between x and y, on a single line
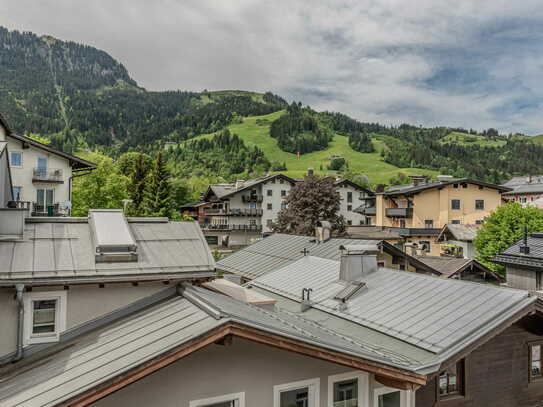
[(20, 322)]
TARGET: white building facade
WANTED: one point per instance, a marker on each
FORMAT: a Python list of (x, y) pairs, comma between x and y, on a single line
[(41, 175)]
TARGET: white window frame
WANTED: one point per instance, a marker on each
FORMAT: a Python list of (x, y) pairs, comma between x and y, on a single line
[(60, 316), (238, 398), (313, 394), (407, 397), (363, 386), (22, 162)]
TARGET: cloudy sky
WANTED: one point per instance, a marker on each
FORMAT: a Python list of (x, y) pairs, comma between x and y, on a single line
[(472, 63)]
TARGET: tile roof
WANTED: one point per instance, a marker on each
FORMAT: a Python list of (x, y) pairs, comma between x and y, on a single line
[(278, 250), (461, 232), (62, 250), (513, 256), (432, 313), (408, 189)]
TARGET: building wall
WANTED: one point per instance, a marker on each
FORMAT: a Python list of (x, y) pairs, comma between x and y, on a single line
[(521, 278), (275, 200), (5, 182), (219, 370), (497, 375), (346, 208), (84, 303), (22, 176)]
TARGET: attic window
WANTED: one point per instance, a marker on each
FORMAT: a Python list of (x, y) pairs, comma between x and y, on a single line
[(112, 236), (45, 316), (349, 291)]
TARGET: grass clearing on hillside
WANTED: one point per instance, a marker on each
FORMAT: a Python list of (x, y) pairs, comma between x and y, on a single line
[(207, 97), (466, 139), (255, 131)]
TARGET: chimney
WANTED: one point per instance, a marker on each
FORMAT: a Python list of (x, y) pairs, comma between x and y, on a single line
[(524, 248), (310, 172), (306, 299), (445, 178), (357, 261), (380, 188), (417, 180), (323, 231)]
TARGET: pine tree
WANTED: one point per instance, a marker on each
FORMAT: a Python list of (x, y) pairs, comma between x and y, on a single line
[(157, 199), (136, 189)]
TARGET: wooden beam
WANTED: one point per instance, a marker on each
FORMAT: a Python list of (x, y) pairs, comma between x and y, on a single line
[(395, 383)]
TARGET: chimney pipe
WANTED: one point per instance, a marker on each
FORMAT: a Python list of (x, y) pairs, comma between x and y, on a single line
[(310, 172), (357, 261), (524, 248), (323, 231)]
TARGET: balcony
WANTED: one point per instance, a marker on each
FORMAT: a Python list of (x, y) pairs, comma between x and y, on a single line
[(247, 228), (370, 211), (251, 198), (245, 212), (214, 211), (47, 210), (399, 212), (228, 228), (217, 227), (51, 175)]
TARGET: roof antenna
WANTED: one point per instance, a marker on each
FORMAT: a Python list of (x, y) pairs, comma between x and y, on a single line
[(524, 248)]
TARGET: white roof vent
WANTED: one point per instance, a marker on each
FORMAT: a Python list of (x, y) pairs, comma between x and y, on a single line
[(112, 237)]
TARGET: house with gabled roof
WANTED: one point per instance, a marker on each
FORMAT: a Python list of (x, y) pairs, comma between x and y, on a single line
[(419, 210), (42, 175)]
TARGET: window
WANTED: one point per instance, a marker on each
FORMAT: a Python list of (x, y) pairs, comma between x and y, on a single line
[(272, 180), (535, 361), (455, 221), (349, 196), (269, 206), (464, 185), (455, 204), (455, 185), (479, 204), (349, 222), (402, 223), (481, 187), (283, 205), (349, 208), (478, 222), (228, 400), (45, 316), (281, 181), (390, 397), (212, 240), (16, 159), (42, 163), (269, 222), (299, 394), (252, 205), (451, 381), (429, 223), (283, 193), (425, 245), (348, 389), (17, 193), (269, 192), (44, 198)]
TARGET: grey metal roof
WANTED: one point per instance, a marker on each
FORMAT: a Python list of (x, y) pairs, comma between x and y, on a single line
[(461, 232), (526, 189), (106, 353), (432, 313), (226, 190), (278, 250), (526, 179), (449, 266), (62, 249), (513, 256)]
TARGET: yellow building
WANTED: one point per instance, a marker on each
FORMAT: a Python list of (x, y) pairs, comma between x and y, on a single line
[(418, 211)]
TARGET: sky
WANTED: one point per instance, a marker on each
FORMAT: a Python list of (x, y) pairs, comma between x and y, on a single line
[(472, 64)]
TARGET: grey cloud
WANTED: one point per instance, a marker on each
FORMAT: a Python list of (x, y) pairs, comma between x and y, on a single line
[(476, 64)]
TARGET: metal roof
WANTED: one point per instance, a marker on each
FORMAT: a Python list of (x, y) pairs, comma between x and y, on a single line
[(449, 266), (280, 249), (62, 250), (96, 357), (432, 313), (526, 189), (526, 179)]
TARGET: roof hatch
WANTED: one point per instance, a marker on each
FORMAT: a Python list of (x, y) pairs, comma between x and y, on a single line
[(112, 237)]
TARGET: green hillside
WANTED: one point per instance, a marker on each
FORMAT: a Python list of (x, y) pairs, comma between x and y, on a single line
[(538, 139), (254, 131), (465, 139)]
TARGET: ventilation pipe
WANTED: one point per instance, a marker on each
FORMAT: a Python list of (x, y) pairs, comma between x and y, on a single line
[(524, 248), (306, 299)]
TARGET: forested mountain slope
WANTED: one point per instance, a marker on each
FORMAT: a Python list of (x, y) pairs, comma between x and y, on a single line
[(80, 98)]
